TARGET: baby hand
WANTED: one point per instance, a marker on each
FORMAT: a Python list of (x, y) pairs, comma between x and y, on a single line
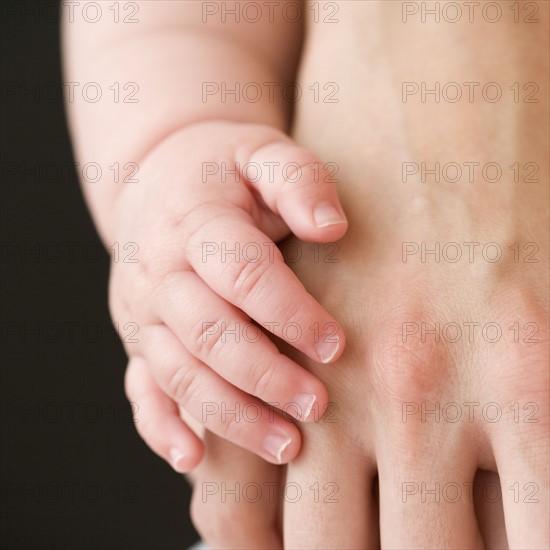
[(211, 201)]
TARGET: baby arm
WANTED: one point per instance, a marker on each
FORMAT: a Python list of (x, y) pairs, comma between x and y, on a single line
[(184, 302)]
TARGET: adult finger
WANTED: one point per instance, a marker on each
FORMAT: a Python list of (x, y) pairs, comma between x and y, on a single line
[(235, 498)]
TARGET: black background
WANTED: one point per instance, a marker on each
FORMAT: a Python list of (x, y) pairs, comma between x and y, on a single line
[(74, 472)]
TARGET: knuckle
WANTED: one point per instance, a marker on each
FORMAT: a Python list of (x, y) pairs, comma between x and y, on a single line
[(204, 342), (163, 286), (407, 368), (298, 179), (230, 426), (182, 385), (247, 280), (292, 312), (263, 380), (196, 223)]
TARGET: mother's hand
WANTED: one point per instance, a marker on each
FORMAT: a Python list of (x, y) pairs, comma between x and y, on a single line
[(445, 375)]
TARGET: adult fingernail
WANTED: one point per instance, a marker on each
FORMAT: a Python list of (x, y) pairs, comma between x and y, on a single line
[(275, 445), (326, 214), (177, 459), (305, 403), (327, 350)]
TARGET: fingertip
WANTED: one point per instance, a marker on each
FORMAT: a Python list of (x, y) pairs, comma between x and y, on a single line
[(312, 404), (323, 222), (281, 448), (185, 460), (327, 234), (328, 214), (182, 449), (330, 348)]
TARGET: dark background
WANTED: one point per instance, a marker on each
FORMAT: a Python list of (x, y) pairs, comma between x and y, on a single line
[(74, 473)]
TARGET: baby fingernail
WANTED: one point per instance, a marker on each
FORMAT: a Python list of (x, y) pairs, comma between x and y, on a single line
[(327, 350), (275, 445), (305, 402), (326, 214), (177, 458)]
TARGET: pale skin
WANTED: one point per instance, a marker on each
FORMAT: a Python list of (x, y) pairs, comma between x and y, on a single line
[(377, 297)]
